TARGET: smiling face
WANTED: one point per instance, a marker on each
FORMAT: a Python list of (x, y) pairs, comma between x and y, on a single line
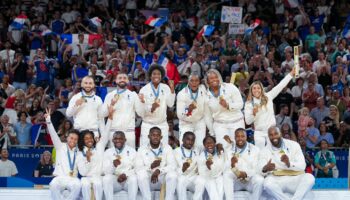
[(72, 140), (213, 80), (122, 80), (87, 84), (156, 76), (256, 90), (240, 138), (119, 141), (89, 140), (274, 136), (209, 145)]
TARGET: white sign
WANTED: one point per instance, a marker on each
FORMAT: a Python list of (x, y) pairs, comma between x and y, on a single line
[(236, 29), (231, 15)]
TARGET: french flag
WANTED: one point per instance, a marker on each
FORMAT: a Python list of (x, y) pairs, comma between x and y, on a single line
[(250, 29), (96, 21), (35, 132), (143, 61), (155, 22), (291, 3), (74, 38), (207, 30), (170, 69), (190, 22), (47, 32), (19, 21)]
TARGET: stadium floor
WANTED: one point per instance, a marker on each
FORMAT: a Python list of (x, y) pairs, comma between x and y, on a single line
[(44, 194)]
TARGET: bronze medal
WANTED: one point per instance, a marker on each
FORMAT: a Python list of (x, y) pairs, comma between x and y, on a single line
[(210, 156), (118, 157), (159, 158), (189, 160), (71, 173)]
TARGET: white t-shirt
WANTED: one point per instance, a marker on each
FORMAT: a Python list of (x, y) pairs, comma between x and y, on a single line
[(7, 168)]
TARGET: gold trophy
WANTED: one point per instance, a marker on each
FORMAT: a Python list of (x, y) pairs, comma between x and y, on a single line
[(296, 61)]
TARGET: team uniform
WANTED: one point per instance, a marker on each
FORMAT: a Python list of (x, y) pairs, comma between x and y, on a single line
[(247, 158), (127, 156), (265, 117), (91, 181), (145, 157), (187, 180), (66, 169), (212, 179), (158, 118), (291, 179), (124, 114), (194, 121), (87, 115), (224, 121)]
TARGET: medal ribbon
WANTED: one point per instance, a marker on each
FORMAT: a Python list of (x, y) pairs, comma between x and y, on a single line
[(183, 152), (212, 93), (156, 93), (158, 153), (193, 97), (71, 163)]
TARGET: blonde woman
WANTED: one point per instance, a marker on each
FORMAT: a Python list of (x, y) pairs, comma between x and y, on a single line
[(333, 120), (45, 167), (259, 110)]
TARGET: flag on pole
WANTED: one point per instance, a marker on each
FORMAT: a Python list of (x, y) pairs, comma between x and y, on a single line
[(170, 69), (250, 29), (207, 30), (19, 21), (144, 63), (74, 38), (96, 21), (155, 22), (35, 132)]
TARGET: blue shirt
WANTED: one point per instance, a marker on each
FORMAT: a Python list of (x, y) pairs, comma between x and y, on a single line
[(42, 70), (339, 86), (179, 59), (328, 137), (312, 132), (57, 26), (132, 42), (23, 132), (317, 22)]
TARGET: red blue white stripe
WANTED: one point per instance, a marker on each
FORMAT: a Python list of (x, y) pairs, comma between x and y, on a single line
[(19, 21), (74, 38), (170, 69), (155, 22), (207, 30), (96, 21), (250, 29)]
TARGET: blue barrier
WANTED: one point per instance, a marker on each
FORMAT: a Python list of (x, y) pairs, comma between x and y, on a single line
[(331, 183)]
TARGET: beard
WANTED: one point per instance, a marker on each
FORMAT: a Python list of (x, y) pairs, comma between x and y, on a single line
[(122, 85), (87, 91)]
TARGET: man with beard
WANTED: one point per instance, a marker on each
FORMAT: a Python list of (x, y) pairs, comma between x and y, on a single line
[(283, 163), (66, 169), (186, 159), (84, 108), (155, 97), (124, 103), (241, 169), (155, 166), (190, 109), (118, 167)]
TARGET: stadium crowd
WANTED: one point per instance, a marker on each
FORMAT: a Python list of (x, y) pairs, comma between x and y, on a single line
[(39, 71)]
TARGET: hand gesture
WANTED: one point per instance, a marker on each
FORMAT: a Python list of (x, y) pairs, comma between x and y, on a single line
[(116, 162), (255, 110), (191, 107), (79, 102), (220, 149), (209, 163), (155, 105), (171, 85), (228, 139), (111, 111), (242, 175), (155, 164), (269, 167), (223, 103), (292, 73), (285, 159), (234, 160), (142, 98), (121, 178), (154, 177), (185, 166), (47, 114)]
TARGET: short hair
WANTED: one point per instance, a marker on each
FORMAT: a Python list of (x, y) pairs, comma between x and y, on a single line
[(188, 133), (74, 131), (209, 137), (274, 128), (118, 133), (20, 113), (155, 128), (240, 130), (283, 105)]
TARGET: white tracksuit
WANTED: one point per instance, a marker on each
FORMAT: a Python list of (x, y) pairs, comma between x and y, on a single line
[(265, 117), (144, 159), (276, 186), (87, 115), (247, 159), (110, 183), (187, 180), (63, 181), (212, 179), (194, 122), (91, 171), (159, 116), (124, 115), (224, 121)]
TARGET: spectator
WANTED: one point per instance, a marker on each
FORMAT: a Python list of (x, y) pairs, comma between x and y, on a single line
[(337, 101), (284, 97), (310, 96), (309, 156), (8, 137), (282, 117), (64, 128), (7, 167), (320, 112), (332, 121), (325, 161), (20, 70), (23, 129), (287, 132), (325, 135), (56, 116), (344, 136), (5, 85), (312, 134), (45, 167)]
